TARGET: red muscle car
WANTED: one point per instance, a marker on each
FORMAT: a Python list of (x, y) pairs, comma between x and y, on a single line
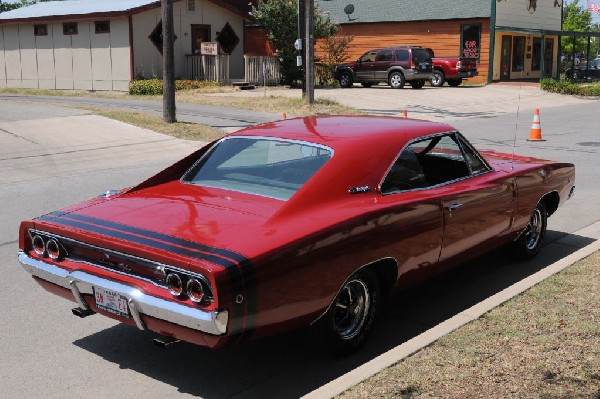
[(308, 221)]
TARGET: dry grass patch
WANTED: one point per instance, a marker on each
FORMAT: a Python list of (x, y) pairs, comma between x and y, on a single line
[(545, 343), (182, 130)]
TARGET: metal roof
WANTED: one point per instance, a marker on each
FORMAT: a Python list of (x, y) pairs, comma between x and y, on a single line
[(74, 7), (369, 11)]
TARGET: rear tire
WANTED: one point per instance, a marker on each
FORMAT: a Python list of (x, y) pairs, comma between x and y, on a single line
[(529, 243), (454, 82), (417, 84), (437, 79), (346, 325), (346, 79), (396, 80)]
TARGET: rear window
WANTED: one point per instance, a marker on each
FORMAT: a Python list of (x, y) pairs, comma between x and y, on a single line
[(420, 55), (268, 167)]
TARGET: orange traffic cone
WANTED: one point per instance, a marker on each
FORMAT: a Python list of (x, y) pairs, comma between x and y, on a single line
[(536, 129), (404, 114), (283, 115)]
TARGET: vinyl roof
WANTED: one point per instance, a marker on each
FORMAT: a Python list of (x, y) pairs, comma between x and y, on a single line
[(369, 11), (75, 7)]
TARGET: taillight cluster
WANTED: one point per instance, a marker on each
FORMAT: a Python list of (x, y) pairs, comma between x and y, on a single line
[(47, 246), (183, 285), (459, 65)]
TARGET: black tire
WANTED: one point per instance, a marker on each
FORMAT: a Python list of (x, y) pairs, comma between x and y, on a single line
[(366, 84), (346, 325), (454, 82), (396, 80), (529, 243), (346, 80), (437, 79), (417, 84)]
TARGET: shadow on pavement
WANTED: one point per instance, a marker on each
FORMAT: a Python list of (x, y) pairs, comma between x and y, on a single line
[(287, 366)]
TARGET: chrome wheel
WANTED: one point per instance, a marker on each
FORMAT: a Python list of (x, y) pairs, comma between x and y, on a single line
[(437, 79), (533, 231), (351, 308)]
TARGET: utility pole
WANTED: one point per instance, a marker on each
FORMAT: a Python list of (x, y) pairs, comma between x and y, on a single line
[(168, 61), (302, 37), (309, 67)]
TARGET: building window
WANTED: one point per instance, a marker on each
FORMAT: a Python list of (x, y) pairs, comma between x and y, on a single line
[(536, 54), (40, 30), (102, 26), (518, 56), (470, 40), (191, 5), (70, 28)]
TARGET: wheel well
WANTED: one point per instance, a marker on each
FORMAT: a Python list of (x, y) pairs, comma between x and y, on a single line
[(395, 70), (551, 200), (386, 271)]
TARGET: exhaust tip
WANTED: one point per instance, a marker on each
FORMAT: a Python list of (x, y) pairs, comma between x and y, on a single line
[(165, 342), (79, 312)]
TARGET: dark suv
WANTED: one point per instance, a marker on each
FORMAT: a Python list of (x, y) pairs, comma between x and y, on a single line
[(392, 65)]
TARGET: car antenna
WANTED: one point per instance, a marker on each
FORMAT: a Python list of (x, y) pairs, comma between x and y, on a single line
[(512, 165)]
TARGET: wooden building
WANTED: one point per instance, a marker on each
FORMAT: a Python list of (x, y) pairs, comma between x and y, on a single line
[(103, 45), (506, 36)]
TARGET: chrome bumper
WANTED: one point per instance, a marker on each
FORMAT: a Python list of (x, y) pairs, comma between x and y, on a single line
[(139, 303)]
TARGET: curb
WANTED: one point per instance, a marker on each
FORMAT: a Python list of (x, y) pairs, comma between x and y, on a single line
[(387, 359)]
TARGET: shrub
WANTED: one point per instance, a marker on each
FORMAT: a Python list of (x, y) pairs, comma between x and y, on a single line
[(567, 87), (155, 86)]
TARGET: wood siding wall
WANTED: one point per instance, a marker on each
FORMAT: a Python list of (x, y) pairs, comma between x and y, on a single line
[(257, 42)]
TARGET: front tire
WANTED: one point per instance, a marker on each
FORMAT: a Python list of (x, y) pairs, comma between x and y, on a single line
[(346, 79), (529, 243), (454, 82), (437, 79), (396, 80), (346, 325)]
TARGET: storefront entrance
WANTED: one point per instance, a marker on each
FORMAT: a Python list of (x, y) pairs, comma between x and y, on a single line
[(505, 57)]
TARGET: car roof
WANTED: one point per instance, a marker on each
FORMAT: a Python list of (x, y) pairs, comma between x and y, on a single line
[(340, 131)]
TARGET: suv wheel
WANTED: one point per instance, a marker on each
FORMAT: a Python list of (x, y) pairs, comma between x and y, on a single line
[(437, 79), (396, 80), (454, 82), (346, 79)]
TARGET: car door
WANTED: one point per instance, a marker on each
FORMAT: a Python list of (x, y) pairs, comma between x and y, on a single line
[(383, 62), (410, 220), (477, 204), (364, 70)]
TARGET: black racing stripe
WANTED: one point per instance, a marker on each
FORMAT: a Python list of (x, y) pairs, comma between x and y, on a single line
[(159, 236), (140, 240), (251, 299)]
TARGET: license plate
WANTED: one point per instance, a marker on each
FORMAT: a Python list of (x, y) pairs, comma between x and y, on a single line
[(111, 301)]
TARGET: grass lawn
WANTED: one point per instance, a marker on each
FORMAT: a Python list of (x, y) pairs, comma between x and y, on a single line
[(544, 343)]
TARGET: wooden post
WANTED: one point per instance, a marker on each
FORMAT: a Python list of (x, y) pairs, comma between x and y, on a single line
[(168, 62), (309, 67)]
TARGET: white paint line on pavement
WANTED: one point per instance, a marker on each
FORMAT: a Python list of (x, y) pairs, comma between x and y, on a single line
[(417, 343)]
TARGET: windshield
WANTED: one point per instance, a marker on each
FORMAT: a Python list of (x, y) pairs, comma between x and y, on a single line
[(269, 167)]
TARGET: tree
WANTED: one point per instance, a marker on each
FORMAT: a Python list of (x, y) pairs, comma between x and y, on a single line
[(280, 19), (578, 19), (14, 4)]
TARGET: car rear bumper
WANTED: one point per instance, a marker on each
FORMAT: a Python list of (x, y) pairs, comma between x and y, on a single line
[(410, 74), (468, 74), (140, 304)]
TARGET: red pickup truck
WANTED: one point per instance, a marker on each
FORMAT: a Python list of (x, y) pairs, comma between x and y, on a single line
[(452, 70)]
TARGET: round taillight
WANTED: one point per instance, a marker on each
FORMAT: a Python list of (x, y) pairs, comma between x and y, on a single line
[(174, 284), (38, 245), (195, 290), (53, 249)]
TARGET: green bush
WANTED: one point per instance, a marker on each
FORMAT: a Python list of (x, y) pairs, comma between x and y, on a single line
[(567, 87), (155, 87)]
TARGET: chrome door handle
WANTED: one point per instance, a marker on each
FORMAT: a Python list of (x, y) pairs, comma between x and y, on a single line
[(452, 207)]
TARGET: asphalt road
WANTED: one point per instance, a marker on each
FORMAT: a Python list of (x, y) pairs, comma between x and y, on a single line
[(53, 156)]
